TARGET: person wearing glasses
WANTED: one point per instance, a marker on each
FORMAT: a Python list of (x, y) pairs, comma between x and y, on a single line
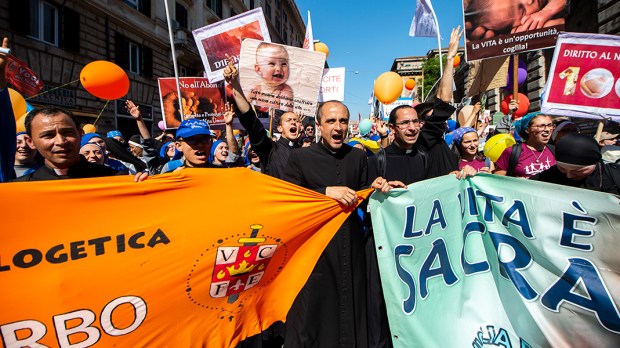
[(418, 151), (309, 131), (194, 139), (534, 155)]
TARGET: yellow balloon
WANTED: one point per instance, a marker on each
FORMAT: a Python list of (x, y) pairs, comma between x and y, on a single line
[(388, 87), (20, 123), (89, 128), (321, 47), (18, 103), (496, 144)]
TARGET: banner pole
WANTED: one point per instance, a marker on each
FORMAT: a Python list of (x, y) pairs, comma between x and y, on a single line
[(599, 130), (174, 60), (515, 78), (271, 112), (438, 44)]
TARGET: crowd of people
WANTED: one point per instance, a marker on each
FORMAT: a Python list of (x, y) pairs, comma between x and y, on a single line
[(342, 299)]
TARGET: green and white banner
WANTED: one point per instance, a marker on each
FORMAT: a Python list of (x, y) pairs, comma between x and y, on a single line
[(498, 261)]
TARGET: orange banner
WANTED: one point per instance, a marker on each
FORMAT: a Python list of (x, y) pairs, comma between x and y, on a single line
[(202, 257)]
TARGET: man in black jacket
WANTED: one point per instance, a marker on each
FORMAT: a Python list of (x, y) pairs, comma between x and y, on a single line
[(54, 133), (273, 154), (419, 151), (331, 309)]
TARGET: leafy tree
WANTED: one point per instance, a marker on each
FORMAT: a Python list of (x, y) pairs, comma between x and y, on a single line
[(431, 73)]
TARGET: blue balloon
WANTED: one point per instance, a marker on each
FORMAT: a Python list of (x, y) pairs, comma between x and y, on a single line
[(365, 126), (29, 107)]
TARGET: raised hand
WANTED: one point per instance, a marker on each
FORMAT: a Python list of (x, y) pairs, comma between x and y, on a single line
[(229, 113), (133, 109), (455, 37), (230, 71)]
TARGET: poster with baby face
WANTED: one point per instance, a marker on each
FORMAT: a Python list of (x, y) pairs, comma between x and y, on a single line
[(223, 38), (199, 99), (281, 77), (584, 79), (496, 28)]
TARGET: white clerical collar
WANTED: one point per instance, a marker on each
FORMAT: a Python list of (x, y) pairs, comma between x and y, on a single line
[(60, 172), (407, 151)]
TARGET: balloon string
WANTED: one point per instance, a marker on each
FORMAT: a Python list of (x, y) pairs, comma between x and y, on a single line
[(53, 89), (101, 112)]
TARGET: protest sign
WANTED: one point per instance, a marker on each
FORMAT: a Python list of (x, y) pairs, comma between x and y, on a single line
[(498, 261), (223, 38), (19, 75), (485, 75), (200, 276), (584, 79), (499, 28), (332, 85), (281, 77), (200, 99), (387, 108)]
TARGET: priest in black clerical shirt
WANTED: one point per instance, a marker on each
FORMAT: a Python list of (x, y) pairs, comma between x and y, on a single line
[(419, 151), (331, 309)]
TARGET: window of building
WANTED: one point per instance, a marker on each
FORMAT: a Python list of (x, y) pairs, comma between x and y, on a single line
[(181, 15), (285, 37), (143, 6), (277, 4), (268, 9), (233, 12), (278, 25), (216, 6), (251, 4), (187, 71), (44, 21), (133, 57), (132, 3)]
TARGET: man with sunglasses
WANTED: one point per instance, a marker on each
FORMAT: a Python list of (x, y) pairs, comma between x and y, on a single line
[(194, 138), (309, 132)]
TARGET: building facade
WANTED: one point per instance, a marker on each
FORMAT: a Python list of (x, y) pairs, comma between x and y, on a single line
[(56, 39), (601, 16)]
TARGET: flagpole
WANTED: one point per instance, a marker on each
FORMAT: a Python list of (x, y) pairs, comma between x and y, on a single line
[(438, 43), (174, 60)]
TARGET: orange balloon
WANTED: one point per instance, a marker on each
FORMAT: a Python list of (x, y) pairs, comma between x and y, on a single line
[(410, 84), (20, 123), (388, 87), (89, 128), (18, 103), (321, 47), (105, 80), (457, 61)]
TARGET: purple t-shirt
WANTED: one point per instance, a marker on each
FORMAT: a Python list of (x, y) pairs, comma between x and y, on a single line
[(476, 163), (531, 162)]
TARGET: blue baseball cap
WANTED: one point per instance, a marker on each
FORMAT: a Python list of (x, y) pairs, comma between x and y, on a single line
[(192, 127)]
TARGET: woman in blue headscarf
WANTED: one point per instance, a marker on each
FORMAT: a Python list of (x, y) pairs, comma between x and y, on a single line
[(465, 142), (534, 156)]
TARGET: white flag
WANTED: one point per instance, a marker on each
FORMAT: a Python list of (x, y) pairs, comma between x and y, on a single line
[(423, 24), (309, 38)]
